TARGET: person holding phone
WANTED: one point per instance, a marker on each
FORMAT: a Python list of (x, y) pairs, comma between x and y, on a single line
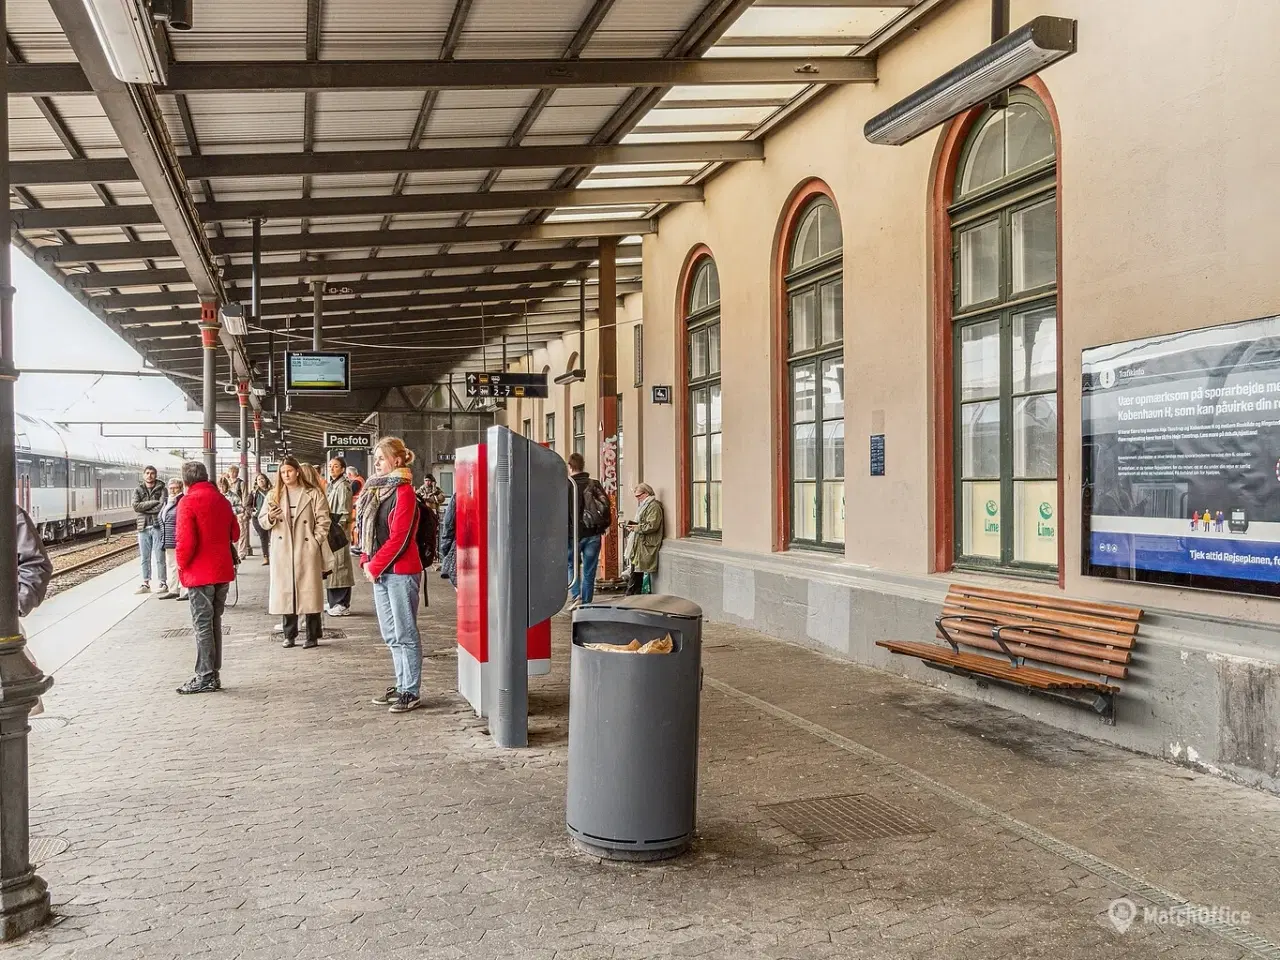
[(644, 539)]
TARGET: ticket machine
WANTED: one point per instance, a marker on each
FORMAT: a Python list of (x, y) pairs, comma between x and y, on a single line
[(477, 674)]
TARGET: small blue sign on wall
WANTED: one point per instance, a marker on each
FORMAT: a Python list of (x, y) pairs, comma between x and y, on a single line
[(877, 455)]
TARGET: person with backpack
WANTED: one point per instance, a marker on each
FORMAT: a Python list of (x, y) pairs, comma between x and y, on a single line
[(388, 521), (594, 516), (343, 577)]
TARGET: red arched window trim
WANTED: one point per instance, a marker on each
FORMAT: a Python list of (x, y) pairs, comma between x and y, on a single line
[(944, 181), (691, 263), (787, 224)]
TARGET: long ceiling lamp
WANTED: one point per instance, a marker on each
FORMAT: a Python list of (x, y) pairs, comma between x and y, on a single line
[(126, 34), (981, 78)]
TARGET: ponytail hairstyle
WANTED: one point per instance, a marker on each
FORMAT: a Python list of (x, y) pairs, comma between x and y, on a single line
[(393, 448)]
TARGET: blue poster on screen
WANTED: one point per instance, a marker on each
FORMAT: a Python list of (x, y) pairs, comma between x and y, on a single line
[(1182, 458)]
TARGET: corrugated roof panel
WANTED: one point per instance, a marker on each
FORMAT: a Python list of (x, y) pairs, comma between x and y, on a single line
[(248, 188), (502, 29), (65, 195), (474, 121), (643, 28), (577, 120), (384, 29), (363, 182), (35, 31), (705, 116), (244, 30), (388, 126), (690, 137), (416, 221), (634, 181), (736, 91), (442, 178), (33, 135), (247, 118), (815, 21), (783, 53)]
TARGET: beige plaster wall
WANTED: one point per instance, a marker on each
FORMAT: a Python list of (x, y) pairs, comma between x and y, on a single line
[(1169, 129)]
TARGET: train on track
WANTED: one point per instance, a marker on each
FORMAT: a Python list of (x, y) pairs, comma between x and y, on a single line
[(75, 483)]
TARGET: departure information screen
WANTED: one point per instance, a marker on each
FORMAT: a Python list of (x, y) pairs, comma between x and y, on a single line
[(312, 372)]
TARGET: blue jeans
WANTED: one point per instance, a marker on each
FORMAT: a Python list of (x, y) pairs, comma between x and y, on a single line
[(151, 552), (395, 599), (590, 562)]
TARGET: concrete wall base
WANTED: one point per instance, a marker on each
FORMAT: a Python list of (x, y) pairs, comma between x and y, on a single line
[(1201, 692)]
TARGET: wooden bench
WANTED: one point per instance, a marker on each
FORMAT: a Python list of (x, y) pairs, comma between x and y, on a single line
[(1093, 641)]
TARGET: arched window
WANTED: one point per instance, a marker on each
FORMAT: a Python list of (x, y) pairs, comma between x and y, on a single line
[(1003, 222), (702, 350), (815, 375)]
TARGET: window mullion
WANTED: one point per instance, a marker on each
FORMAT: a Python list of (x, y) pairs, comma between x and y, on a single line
[(1007, 519)]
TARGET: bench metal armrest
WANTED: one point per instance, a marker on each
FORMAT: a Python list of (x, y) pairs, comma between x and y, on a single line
[(941, 623), (1036, 628)]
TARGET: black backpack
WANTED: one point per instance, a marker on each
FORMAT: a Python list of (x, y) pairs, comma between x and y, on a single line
[(427, 535), (597, 512)]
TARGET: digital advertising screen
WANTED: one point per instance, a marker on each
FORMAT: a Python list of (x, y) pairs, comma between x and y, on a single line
[(1182, 459), (312, 372)]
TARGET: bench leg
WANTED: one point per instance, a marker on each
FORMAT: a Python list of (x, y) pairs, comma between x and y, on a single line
[(1104, 705)]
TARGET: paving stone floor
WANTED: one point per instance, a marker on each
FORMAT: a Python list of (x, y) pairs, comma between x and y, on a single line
[(288, 817)]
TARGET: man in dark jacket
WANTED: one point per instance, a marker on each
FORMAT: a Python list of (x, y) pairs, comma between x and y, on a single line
[(35, 569), (147, 501), (207, 527), (589, 533)]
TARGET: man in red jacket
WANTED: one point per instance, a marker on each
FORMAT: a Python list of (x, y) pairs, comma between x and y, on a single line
[(207, 528)]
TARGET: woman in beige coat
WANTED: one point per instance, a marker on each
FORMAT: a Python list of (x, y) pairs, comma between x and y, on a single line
[(297, 514)]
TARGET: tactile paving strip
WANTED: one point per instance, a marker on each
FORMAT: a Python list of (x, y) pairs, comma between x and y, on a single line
[(844, 819)]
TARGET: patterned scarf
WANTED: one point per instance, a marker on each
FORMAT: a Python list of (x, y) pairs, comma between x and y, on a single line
[(376, 491)]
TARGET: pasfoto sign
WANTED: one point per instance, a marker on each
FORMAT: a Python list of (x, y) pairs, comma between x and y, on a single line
[(503, 385), (1182, 459), (316, 372), (348, 441)]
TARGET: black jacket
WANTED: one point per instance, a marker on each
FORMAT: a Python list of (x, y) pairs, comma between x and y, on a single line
[(584, 482), (35, 569), (449, 543), (147, 502)]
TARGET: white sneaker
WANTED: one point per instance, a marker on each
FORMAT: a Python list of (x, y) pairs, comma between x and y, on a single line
[(341, 611)]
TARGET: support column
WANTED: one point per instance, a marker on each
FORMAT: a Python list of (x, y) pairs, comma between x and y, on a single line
[(209, 340), (242, 394), (257, 444), (608, 397), (24, 897), (317, 314)]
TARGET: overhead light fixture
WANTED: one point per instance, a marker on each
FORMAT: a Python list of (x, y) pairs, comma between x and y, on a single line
[(233, 320), (126, 36), (1026, 51), (573, 376)]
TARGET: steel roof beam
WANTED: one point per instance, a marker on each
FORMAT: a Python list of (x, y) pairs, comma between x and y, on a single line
[(206, 166), (141, 214), (137, 120), (338, 307), (62, 79), (310, 242)]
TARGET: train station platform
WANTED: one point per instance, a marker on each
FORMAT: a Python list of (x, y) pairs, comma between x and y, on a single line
[(286, 816)]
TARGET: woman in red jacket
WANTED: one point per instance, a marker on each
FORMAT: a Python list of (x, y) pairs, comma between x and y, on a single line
[(387, 524)]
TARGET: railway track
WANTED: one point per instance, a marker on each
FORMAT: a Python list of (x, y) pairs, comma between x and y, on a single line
[(73, 567)]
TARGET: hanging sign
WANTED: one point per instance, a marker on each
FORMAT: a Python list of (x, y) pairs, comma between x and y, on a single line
[(662, 394), (502, 385), (348, 441)]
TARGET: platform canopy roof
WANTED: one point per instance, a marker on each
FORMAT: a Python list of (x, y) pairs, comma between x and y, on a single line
[(445, 167)]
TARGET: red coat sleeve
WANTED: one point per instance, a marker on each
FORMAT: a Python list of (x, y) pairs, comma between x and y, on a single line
[(188, 534), (404, 521)]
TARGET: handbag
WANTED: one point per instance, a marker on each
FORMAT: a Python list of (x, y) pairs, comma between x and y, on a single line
[(337, 536)]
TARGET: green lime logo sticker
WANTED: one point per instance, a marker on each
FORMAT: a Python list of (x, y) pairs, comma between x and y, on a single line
[(1044, 529), (1046, 511), (992, 508)]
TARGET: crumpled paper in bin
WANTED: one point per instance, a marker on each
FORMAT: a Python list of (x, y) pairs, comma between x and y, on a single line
[(665, 645)]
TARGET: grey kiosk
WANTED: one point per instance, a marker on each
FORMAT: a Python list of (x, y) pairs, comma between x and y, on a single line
[(528, 568)]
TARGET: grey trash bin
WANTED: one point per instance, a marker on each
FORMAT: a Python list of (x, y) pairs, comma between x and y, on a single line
[(633, 729)]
